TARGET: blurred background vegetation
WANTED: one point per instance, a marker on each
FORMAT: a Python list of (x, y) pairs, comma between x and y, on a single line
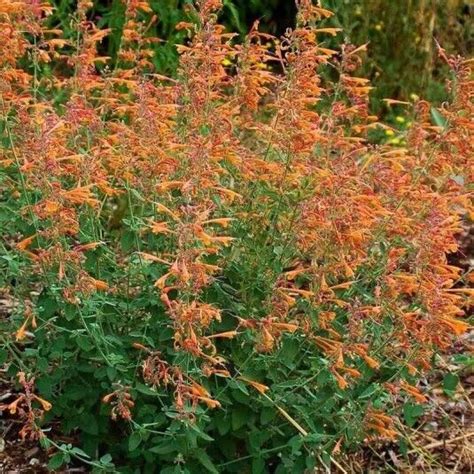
[(401, 59)]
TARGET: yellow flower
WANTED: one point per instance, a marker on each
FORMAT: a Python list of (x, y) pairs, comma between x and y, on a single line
[(389, 133), (414, 97), (226, 62), (400, 119)]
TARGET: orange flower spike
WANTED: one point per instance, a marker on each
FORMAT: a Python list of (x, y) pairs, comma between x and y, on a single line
[(100, 285), (414, 392), (349, 370), (458, 327), (198, 389), (287, 298), (260, 387), (223, 335), (232, 195), (161, 282), (341, 381), (81, 195), (292, 274), (121, 402), (209, 370), (211, 403), (330, 31), (247, 323), (223, 221), (381, 423), (25, 243), (13, 406), (381, 417), (209, 268), (161, 228), (167, 185), (372, 363), (45, 404), (323, 285), (199, 392), (153, 258), (21, 332), (298, 291), (342, 286), (140, 347), (30, 320), (267, 341), (285, 327), (328, 345), (162, 208), (207, 239), (412, 370)]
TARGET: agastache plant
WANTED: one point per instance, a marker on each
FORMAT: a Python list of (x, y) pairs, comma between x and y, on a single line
[(194, 257)]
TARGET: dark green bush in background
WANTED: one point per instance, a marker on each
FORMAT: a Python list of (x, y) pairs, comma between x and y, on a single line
[(402, 58)]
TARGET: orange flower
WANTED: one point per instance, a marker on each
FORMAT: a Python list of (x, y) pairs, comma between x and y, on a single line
[(260, 387), (81, 195), (413, 391), (99, 284), (25, 243)]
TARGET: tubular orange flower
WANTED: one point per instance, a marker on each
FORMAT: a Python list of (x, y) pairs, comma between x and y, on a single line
[(25, 243), (413, 391), (260, 387)]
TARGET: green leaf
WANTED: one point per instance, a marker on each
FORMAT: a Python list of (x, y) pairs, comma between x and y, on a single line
[(438, 119), (70, 312), (258, 466), (79, 452), (235, 15), (237, 384), (48, 305), (111, 373), (200, 433), (206, 461), (106, 459), (222, 423), (403, 445), (3, 356), (240, 417), (89, 424), (412, 412), (267, 414), (56, 461), (164, 448), (134, 441), (464, 359), (146, 390), (450, 383), (369, 391), (84, 343), (127, 241), (45, 386), (171, 470), (289, 351)]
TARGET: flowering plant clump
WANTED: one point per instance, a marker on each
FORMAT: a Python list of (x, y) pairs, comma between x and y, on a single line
[(220, 271)]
